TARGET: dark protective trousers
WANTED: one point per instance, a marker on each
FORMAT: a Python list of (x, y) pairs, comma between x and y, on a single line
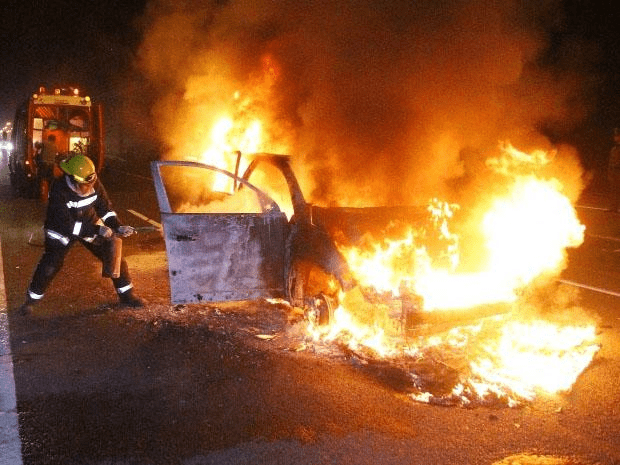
[(54, 256)]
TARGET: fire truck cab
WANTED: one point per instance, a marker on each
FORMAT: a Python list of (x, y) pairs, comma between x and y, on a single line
[(75, 122)]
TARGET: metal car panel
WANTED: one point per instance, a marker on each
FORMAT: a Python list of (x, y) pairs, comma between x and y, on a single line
[(216, 257), (224, 257)]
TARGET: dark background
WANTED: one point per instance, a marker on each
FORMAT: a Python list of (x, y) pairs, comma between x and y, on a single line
[(597, 25), (94, 44), (90, 44)]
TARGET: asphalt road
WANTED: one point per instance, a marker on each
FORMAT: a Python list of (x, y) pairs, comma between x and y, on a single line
[(199, 384)]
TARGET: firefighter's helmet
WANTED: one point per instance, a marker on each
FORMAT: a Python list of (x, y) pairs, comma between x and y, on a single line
[(80, 168)]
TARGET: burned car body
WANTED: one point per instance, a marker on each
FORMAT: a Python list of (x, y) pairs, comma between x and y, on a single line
[(224, 256), (238, 256)]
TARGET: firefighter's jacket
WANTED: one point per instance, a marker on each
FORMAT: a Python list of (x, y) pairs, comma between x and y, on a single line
[(71, 216)]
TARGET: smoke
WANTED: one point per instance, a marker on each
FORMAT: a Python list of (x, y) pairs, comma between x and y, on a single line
[(377, 102)]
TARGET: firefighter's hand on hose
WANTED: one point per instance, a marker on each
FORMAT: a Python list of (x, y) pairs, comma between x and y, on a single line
[(104, 231), (125, 231)]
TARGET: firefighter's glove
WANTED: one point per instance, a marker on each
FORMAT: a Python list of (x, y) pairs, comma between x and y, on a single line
[(125, 231), (104, 231)]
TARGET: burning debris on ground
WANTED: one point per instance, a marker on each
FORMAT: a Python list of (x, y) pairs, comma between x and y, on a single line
[(503, 360), (496, 362), (500, 360)]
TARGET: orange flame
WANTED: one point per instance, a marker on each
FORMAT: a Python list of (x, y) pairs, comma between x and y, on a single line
[(228, 136), (525, 233), (241, 126), (536, 355)]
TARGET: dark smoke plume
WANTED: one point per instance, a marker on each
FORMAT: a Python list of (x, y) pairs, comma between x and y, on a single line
[(378, 102)]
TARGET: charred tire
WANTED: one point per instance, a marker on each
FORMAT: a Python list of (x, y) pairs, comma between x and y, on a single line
[(296, 283), (306, 288), (323, 309)]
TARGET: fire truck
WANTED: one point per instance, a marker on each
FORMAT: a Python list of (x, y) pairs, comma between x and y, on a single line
[(73, 119)]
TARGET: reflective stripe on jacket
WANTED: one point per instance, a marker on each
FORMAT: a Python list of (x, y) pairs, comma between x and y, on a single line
[(72, 215)]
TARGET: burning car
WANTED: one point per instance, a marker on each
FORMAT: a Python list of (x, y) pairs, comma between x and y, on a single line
[(218, 251), (364, 280), (222, 256)]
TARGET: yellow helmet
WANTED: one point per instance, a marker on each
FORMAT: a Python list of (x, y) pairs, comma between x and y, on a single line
[(80, 168)]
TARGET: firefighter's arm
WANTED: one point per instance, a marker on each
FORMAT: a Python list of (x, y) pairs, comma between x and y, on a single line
[(108, 215)]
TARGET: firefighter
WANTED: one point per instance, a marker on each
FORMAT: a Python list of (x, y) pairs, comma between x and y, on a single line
[(45, 157), (79, 211)]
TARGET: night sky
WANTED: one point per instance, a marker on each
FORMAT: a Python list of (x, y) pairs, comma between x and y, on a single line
[(94, 44), (595, 27), (47, 42)]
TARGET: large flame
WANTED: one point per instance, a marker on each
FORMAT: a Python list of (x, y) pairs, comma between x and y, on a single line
[(228, 137), (223, 135), (524, 233), (241, 126), (536, 355)]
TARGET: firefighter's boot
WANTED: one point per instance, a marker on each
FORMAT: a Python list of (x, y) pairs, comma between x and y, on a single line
[(129, 299)]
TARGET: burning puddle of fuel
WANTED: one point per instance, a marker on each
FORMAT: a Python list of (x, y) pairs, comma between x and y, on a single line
[(498, 361)]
